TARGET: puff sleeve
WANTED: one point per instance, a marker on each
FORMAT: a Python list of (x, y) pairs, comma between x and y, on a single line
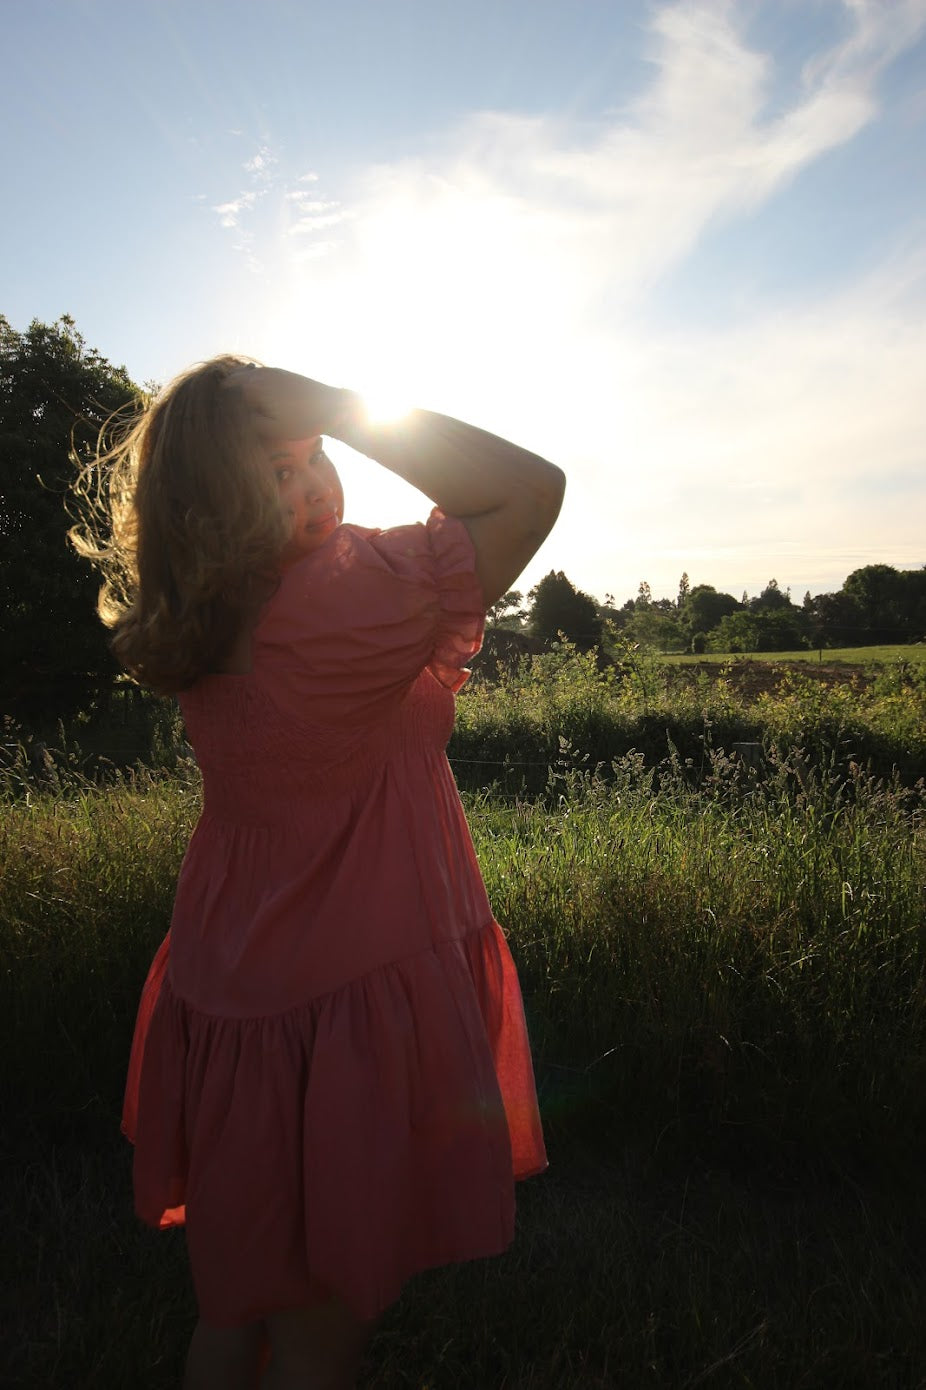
[(355, 623)]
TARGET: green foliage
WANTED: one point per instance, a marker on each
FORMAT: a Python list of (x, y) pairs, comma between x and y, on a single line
[(877, 604), (557, 606), (88, 875), (703, 607), (510, 732), (749, 949), (723, 962), (892, 603), (749, 939), (506, 611), (654, 628), (55, 396), (770, 599), (834, 620), (777, 628)]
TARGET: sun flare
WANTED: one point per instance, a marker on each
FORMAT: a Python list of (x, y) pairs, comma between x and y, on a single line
[(385, 404)]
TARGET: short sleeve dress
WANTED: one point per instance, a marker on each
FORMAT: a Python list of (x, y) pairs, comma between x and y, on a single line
[(330, 1081)]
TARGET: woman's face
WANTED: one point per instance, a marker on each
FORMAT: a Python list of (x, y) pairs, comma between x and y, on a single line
[(310, 493)]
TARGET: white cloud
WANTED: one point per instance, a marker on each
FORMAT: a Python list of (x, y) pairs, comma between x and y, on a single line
[(289, 212), (230, 213), (262, 163)]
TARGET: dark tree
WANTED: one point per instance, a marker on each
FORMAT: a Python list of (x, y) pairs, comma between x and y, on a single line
[(880, 592), (705, 607), (835, 620), (55, 396), (913, 592), (771, 599), (558, 606)]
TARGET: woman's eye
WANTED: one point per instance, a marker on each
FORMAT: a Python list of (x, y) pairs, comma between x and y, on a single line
[(319, 455), (283, 475)]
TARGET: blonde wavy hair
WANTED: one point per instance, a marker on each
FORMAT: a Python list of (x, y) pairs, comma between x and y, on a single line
[(185, 527)]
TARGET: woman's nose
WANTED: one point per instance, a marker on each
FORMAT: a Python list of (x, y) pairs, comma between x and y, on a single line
[(314, 486)]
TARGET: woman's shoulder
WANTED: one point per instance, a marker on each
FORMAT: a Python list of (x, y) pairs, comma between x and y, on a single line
[(375, 564), (333, 578), (362, 579), (352, 624)]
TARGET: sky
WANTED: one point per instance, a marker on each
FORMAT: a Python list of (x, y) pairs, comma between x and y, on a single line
[(678, 248)]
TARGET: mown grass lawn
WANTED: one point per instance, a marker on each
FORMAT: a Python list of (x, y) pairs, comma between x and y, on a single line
[(914, 654)]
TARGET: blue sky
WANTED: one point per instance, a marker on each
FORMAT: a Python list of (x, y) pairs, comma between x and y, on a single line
[(678, 248)]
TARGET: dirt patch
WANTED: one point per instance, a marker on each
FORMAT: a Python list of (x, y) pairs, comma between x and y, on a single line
[(750, 678)]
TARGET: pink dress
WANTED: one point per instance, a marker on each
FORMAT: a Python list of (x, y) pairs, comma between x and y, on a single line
[(330, 1079)]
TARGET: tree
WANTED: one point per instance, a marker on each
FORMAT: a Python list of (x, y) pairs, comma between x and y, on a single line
[(654, 628), (610, 616), (558, 606), (736, 632), (506, 611), (913, 595), (704, 608), (684, 589), (55, 396), (879, 591), (770, 630), (834, 620), (770, 599)]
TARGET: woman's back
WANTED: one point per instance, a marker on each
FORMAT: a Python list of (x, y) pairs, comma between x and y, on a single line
[(324, 772)]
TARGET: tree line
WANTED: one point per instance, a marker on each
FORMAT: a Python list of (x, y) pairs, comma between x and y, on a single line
[(877, 604), (57, 393)]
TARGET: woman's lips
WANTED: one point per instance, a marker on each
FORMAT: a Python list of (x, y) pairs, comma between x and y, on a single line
[(325, 524)]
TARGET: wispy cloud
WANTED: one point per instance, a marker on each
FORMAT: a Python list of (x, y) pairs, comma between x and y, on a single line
[(262, 163), (291, 209), (230, 214)]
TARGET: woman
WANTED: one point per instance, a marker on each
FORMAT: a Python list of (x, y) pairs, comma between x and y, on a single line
[(330, 1081)]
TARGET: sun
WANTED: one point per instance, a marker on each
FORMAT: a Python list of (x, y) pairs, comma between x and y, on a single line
[(432, 301), (386, 402)]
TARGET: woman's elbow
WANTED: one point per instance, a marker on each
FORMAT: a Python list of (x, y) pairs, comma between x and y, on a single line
[(549, 498)]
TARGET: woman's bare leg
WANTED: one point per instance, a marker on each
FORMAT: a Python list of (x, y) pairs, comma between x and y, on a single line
[(223, 1358), (317, 1348)]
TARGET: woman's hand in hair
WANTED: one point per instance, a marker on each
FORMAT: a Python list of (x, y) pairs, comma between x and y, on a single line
[(286, 405), (507, 497)]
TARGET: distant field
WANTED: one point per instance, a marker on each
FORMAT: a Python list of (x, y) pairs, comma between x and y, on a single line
[(830, 656)]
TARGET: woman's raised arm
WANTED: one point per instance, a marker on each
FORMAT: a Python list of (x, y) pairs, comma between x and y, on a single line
[(506, 497)]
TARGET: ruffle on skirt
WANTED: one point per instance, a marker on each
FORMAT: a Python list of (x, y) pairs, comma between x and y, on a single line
[(342, 1146)]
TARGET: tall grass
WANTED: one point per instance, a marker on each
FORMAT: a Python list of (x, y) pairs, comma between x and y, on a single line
[(748, 953), (724, 966), (747, 947), (87, 875)]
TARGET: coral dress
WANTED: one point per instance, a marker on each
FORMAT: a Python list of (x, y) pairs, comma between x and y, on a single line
[(330, 1080)]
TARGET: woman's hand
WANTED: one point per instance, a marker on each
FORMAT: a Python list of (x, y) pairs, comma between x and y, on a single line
[(286, 405)]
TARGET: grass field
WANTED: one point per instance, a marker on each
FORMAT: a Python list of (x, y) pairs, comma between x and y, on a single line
[(724, 966), (914, 654)]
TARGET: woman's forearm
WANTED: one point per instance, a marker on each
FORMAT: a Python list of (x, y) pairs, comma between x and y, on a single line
[(506, 497), (465, 470)]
